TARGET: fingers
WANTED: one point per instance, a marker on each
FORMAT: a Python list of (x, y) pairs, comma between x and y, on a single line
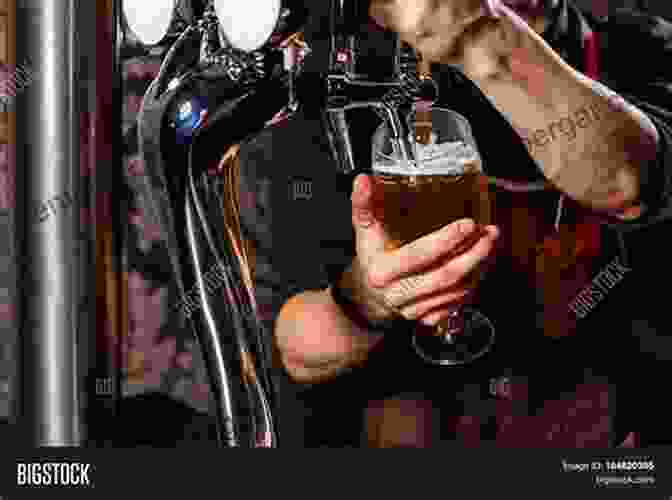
[(426, 275), (422, 253), (416, 20), (466, 262), (452, 280), (361, 201), (443, 35), (428, 307), (369, 233), (436, 317), (408, 16)]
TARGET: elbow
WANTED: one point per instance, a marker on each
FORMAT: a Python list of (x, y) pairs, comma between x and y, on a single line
[(293, 362), (313, 342), (296, 369), (626, 203), (634, 147), (641, 147), (301, 372), (303, 347)]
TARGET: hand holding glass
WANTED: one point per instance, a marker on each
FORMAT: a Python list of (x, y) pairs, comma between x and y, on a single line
[(439, 182)]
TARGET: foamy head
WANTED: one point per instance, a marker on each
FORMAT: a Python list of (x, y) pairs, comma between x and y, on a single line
[(451, 158)]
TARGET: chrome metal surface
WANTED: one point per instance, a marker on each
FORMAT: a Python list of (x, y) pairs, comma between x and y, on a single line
[(47, 126)]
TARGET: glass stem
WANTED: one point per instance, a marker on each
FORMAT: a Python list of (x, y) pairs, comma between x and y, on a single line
[(452, 325)]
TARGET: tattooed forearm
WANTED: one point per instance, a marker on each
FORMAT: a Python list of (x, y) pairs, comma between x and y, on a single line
[(599, 171), (633, 140), (586, 139), (604, 188), (567, 128), (601, 168), (640, 143)]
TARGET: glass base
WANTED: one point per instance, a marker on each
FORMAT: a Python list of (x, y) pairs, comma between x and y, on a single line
[(473, 342)]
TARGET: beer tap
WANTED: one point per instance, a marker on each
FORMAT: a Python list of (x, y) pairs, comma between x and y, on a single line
[(211, 42), (222, 82), (388, 88)]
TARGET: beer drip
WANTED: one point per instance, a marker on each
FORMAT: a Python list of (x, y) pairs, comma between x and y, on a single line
[(415, 83), (423, 114)]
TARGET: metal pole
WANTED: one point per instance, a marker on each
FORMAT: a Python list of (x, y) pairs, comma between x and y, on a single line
[(48, 159)]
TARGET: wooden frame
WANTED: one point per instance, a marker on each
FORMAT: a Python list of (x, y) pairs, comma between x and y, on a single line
[(8, 57)]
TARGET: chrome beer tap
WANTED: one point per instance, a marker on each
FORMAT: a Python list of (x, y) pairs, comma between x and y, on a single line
[(210, 96), (388, 87)]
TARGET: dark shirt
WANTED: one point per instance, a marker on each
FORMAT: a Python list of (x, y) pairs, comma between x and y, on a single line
[(594, 384)]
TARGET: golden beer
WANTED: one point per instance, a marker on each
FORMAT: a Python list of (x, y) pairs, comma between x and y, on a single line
[(411, 206)]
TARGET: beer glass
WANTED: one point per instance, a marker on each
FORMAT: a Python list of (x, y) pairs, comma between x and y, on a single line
[(433, 181)]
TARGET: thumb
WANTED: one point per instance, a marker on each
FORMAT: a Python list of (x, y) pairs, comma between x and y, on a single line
[(369, 233)]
